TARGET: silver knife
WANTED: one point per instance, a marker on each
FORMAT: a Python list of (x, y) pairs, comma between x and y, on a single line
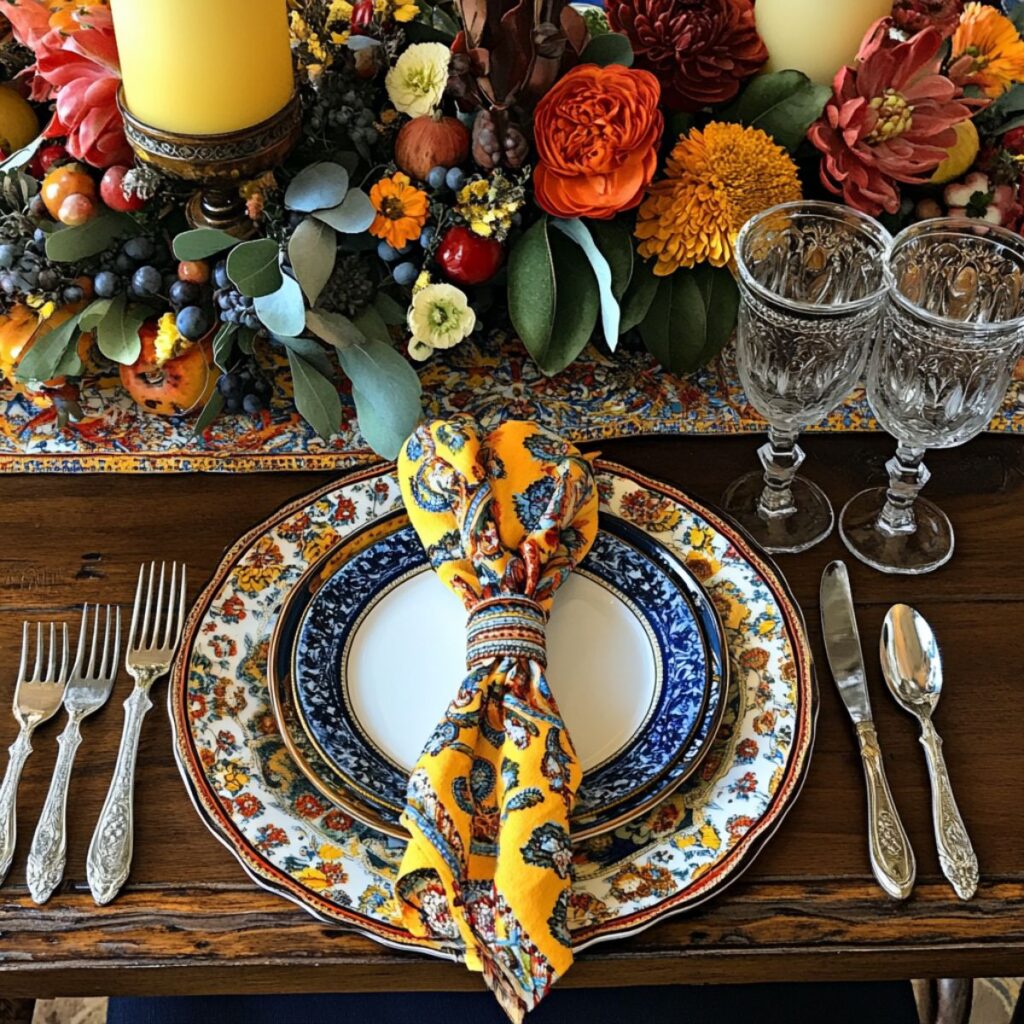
[(892, 859)]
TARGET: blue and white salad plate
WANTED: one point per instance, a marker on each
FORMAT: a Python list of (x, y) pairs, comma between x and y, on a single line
[(370, 648)]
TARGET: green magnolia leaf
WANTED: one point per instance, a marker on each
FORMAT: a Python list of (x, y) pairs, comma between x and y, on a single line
[(721, 297), (679, 123), (40, 362), (391, 312), (608, 48), (68, 245), (211, 411), (783, 103), (639, 295), (224, 344), (317, 187), (201, 243), (353, 216), (283, 312), (253, 267), (312, 251), (313, 353), (554, 322), (335, 329), (117, 334), (616, 245), (610, 312), (316, 397), (387, 394)]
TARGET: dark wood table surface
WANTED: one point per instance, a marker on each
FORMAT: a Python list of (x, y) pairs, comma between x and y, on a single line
[(189, 919)]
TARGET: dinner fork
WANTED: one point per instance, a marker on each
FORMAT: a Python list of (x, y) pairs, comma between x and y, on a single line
[(87, 691), (149, 656), (36, 700)]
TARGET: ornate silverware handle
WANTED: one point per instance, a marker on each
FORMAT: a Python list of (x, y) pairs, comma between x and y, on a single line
[(956, 854), (18, 752), (891, 856), (49, 850), (110, 852)]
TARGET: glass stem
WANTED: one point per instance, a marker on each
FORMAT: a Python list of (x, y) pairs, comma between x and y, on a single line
[(907, 475), (781, 458)]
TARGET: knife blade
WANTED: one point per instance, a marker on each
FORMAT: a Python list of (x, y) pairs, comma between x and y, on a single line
[(892, 858)]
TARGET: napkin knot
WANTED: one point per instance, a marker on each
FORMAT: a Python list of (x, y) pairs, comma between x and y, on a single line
[(506, 627)]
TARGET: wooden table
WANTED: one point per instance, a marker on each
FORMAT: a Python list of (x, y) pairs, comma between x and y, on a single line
[(808, 908)]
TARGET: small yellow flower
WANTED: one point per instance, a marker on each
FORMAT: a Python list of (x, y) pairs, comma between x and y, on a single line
[(45, 308), (169, 342), (417, 81), (439, 317), (422, 280)]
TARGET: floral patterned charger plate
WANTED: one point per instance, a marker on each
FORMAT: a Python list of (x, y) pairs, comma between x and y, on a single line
[(293, 841)]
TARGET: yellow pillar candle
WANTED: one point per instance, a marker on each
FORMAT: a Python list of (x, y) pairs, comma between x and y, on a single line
[(816, 37), (202, 67)]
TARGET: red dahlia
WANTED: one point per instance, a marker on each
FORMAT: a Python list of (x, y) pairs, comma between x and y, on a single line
[(915, 15), (700, 50)]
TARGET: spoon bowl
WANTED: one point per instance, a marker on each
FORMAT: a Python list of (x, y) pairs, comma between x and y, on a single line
[(911, 662)]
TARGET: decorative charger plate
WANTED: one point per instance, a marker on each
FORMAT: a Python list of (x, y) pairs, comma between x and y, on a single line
[(293, 841), (372, 644)]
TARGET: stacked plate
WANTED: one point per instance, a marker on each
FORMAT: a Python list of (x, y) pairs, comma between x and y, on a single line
[(324, 651)]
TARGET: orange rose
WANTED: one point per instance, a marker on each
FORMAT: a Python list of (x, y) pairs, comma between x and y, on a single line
[(597, 132)]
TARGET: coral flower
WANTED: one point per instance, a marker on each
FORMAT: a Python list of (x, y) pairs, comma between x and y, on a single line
[(401, 210), (914, 15), (890, 119), (994, 47), (716, 181)]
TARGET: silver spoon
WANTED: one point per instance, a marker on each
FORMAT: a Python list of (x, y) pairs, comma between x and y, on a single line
[(912, 668)]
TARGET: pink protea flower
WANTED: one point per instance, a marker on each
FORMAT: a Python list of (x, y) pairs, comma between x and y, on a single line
[(85, 74), (890, 119)]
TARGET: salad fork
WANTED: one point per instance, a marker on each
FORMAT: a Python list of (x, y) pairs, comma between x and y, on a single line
[(87, 691), (36, 700), (149, 656)]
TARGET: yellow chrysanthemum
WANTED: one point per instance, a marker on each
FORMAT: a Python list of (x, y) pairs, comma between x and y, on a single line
[(169, 341), (994, 46), (715, 181)]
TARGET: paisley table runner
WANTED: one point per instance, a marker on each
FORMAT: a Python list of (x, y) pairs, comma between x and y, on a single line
[(598, 398)]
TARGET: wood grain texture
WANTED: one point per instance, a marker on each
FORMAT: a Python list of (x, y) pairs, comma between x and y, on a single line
[(808, 908)]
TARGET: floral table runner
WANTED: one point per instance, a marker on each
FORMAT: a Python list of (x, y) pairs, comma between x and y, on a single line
[(599, 397)]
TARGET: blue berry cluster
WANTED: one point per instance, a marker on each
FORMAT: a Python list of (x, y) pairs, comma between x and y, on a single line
[(233, 306), (245, 389)]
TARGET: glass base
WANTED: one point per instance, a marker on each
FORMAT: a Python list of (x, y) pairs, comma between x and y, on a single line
[(810, 524), (909, 554)]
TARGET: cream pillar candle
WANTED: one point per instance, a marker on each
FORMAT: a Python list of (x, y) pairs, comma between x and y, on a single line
[(816, 37), (202, 67)]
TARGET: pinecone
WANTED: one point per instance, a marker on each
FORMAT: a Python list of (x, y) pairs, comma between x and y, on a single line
[(351, 288)]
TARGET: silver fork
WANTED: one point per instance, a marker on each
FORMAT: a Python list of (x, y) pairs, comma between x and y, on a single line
[(149, 656), (87, 691), (36, 700)]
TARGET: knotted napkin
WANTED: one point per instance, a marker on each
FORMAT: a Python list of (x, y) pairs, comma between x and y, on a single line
[(504, 519)]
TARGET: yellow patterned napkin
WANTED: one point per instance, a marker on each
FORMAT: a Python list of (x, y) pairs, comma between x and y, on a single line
[(504, 519)]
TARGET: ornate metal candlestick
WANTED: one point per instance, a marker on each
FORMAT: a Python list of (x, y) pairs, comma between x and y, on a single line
[(217, 163)]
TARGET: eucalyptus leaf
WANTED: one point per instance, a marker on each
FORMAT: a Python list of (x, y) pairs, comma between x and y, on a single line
[(357, 43), (391, 312), (313, 352), (40, 362), (639, 295), (246, 338), (212, 409), (71, 362), (253, 267), (335, 329), (616, 244), (348, 160), (201, 243), (22, 156), (283, 312), (316, 397), (372, 324), (16, 189), (782, 103), (608, 48), (610, 313), (312, 251), (387, 393), (353, 216), (71, 244), (317, 187), (93, 314), (224, 344), (117, 334)]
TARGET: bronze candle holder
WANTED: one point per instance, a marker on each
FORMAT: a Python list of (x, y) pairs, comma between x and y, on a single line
[(217, 163)]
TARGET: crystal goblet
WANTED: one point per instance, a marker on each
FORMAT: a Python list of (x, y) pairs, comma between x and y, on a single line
[(952, 330), (811, 289)]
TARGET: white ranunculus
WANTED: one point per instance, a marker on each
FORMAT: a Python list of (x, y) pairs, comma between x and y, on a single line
[(417, 81), (439, 317)]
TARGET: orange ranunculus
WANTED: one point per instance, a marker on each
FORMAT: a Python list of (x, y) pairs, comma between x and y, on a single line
[(597, 132)]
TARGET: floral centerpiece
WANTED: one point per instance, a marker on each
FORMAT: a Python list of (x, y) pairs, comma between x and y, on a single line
[(578, 176)]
